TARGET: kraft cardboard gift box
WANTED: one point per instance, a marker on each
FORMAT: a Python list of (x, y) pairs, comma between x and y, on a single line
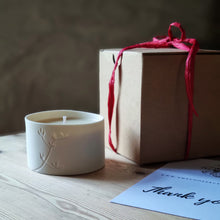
[(151, 110)]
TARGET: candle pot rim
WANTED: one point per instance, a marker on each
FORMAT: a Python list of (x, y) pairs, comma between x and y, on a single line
[(37, 117)]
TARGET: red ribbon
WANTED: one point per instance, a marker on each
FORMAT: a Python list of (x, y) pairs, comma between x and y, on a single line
[(187, 44)]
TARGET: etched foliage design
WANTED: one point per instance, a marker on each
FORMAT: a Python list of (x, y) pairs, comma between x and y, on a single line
[(50, 139)]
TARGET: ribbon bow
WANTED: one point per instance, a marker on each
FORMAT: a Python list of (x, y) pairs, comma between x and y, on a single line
[(187, 44)]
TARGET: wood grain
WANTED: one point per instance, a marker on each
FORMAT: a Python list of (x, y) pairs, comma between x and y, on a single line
[(25, 194)]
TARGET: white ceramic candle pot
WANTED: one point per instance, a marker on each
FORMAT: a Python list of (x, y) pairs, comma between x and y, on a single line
[(64, 142)]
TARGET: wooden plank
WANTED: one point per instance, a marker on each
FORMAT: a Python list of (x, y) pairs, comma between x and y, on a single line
[(25, 194)]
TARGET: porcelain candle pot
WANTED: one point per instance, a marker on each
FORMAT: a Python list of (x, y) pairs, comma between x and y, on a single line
[(64, 142)]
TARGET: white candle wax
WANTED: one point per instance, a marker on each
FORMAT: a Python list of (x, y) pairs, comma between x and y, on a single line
[(67, 121), (64, 142)]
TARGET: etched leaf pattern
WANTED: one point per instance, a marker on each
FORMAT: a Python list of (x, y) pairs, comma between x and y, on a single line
[(42, 156), (50, 142)]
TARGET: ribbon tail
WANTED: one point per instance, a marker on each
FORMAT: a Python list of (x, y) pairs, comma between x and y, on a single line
[(111, 102), (189, 76), (189, 132)]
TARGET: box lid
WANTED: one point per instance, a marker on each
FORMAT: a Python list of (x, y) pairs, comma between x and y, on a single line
[(160, 51)]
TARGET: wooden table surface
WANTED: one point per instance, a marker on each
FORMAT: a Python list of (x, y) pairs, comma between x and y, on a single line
[(25, 194)]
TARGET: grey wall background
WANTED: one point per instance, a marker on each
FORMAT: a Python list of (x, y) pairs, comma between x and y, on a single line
[(49, 48)]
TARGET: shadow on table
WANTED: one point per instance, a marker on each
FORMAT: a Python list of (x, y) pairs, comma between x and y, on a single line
[(118, 171)]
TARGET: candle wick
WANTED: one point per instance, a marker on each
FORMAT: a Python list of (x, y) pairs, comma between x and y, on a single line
[(64, 119)]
